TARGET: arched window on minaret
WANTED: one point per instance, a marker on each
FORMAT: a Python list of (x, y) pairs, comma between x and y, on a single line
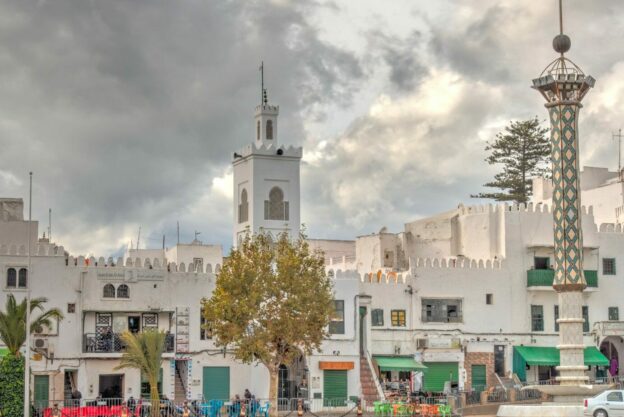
[(275, 208), (243, 207), (269, 129), (258, 130)]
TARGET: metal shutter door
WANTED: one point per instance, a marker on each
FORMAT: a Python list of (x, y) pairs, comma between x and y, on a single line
[(479, 379), (334, 388), (437, 373), (216, 383)]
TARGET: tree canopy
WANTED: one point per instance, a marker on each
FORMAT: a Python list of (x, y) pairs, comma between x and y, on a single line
[(523, 151), (272, 303), (13, 321)]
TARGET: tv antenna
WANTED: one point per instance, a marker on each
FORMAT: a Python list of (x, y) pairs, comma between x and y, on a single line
[(618, 136)]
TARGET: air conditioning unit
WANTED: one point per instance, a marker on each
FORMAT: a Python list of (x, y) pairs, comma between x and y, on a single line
[(422, 343), (40, 343)]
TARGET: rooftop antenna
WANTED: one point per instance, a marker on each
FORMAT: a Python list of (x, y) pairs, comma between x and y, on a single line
[(178, 232), (139, 238), (50, 225), (197, 234), (261, 82), (618, 136), (29, 286)]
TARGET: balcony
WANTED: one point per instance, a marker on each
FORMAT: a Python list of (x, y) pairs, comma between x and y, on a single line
[(112, 343), (545, 277)]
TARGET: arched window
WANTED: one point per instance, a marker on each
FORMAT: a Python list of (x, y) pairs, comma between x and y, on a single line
[(11, 278), (258, 130), (269, 129), (109, 291), (275, 208), (22, 278), (243, 207), (123, 291)]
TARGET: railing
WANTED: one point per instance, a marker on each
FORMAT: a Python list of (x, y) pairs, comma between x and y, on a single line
[(112, 343), (545, 277)]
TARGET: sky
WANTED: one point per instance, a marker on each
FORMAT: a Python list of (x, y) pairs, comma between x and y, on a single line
[(128, 112)]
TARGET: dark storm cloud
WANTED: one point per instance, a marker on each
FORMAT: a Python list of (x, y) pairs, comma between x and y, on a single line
[(126, 110)]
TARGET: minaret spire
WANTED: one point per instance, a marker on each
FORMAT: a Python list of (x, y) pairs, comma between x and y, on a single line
[(262, 92)]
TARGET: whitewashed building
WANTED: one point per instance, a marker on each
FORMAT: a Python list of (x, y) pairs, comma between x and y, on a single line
[(466, 292)]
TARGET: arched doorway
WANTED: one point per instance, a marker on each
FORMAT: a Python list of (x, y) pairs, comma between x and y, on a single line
[(292, 382), (612, 347)]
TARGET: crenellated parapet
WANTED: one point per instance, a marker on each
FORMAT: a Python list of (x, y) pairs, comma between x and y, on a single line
[(160, 264), (271, 150), (40, 249), (455, 263), (522, 208)]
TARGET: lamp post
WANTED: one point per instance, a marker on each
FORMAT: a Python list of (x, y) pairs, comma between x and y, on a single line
[(564, 85)]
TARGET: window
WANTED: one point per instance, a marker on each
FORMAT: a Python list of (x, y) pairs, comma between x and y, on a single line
[(11, 278), (22, 278), (441, 310), (388, 259), (71, 308), (275, 208), (537, 318), (614, 313), (586, 318), (205, 332), (123, 291), (377, 317), (243, 207), (397, 318), (337, 325), (608, 266), (615, 396), (198, 264), (150, 321), (269, 129), (109, 291), (541, 262), (489, 299), (556, 318), (258, 130)]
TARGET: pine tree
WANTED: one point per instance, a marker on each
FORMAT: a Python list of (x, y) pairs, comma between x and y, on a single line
[(523, 150)]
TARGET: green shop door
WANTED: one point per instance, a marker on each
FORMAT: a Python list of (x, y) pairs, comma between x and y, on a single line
[(216, 383), (479, 379), (334, 388), (42, 391), (437, 373)]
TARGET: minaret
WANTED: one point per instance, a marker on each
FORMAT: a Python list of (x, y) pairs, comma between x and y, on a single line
[(564, 85), (266, 178)]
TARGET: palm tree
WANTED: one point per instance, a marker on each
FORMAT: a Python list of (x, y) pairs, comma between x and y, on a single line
[(144, 352), (12, 321)]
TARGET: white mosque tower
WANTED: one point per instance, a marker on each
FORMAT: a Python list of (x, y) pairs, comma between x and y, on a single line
[(266, 179)]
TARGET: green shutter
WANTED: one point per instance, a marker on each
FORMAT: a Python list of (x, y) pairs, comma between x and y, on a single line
[(334, 388), (479, 378), (216, 383), (437, 373), (42, 391)]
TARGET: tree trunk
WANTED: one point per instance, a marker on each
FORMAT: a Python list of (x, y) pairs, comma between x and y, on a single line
[(274, 379), (154, 397)]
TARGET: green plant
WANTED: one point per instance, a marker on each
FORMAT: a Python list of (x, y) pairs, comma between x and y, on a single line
[(12, 386)]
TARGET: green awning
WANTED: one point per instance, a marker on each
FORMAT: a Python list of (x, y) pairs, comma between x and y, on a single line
[(398, 363), (549, 356)]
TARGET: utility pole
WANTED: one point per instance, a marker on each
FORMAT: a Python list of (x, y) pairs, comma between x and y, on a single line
[(618, 136), (27, 324)]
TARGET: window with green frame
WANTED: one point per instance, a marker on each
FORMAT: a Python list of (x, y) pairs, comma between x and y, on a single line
[(337, 324), (614, 313), (586, 319), (377, 318), (397, 318), (537, 318), (145, 387), (556, 318)]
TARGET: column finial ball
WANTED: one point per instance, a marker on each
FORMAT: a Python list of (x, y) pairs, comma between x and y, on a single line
[(562, 43)]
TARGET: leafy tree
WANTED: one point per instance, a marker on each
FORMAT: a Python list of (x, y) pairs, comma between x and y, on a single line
[(272, 303), (523, 150), (12, 386), (13, 319), (144, 352)]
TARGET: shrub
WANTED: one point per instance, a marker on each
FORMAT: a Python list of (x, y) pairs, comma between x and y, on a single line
[(12, 386)]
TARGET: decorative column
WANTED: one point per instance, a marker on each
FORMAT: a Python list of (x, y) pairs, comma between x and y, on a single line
[(564, 85)]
